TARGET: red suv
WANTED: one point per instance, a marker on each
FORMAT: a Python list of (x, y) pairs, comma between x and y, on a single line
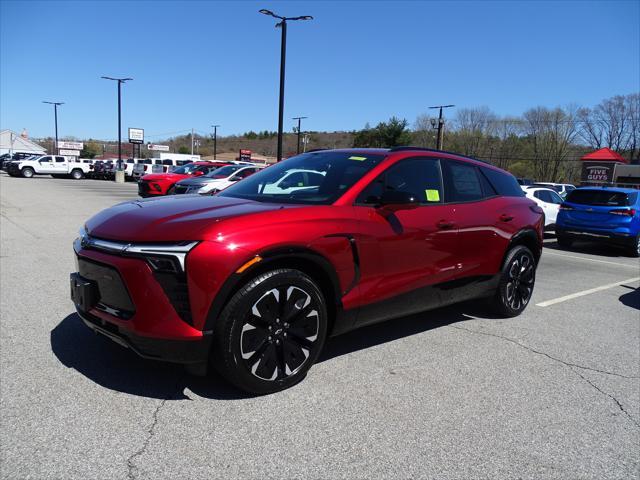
[(253, 280), (159, 184)]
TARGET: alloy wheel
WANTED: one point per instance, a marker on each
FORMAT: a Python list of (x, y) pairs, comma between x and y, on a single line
[(521, 273), (279, 333)]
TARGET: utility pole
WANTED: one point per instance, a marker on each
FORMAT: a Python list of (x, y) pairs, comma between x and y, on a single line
[(55, 116), (192, 142), (298, 130), (215, 140), (440, 140), (120, 82), (283, 53)]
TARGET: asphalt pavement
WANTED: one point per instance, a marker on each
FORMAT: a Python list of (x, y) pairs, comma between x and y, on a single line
[(450, 394)]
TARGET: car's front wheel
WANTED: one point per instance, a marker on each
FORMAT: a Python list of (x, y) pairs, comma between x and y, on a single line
[(27, 172), (271, 332), (517, 280)]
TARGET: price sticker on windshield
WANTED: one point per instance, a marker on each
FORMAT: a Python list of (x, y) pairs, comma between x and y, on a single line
[(432, 195), (359, 159)]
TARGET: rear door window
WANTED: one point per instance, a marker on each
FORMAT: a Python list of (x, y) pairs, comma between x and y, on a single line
[(462, 182)]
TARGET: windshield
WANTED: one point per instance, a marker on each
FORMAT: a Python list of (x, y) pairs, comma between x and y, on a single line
[(224, 172), (187, 169), (311, 178), (606, 198)]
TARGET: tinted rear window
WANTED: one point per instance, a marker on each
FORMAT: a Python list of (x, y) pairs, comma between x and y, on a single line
[(602, 198), (504, 183)]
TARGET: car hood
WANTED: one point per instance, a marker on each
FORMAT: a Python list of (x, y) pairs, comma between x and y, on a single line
[(196, 181), (171, 219), (163, 176)]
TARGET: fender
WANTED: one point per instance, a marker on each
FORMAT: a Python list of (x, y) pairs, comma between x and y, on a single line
[(529, 238), (274, 258)]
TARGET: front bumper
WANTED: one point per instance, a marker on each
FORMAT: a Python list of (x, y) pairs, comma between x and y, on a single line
[(175, 351)]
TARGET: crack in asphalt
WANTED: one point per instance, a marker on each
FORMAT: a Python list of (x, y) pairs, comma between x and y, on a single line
[(132, 469), (572, 366), (568, 364)]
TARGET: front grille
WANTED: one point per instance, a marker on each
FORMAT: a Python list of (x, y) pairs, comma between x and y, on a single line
[(114, 297), (143, 187)]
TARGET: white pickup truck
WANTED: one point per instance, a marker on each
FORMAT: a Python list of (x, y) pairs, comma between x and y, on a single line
[(54, 165)]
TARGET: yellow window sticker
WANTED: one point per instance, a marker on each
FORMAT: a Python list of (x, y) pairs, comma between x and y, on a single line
[(432, 195), (300, 184), (359, 159)]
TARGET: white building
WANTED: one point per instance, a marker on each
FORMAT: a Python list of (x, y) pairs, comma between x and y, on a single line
[(11, 142)]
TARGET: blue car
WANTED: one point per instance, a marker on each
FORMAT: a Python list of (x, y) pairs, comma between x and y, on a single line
[(610, 215)]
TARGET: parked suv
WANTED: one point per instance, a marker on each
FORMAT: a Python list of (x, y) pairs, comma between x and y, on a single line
[(603, 214), (160, 184), (254, 282)]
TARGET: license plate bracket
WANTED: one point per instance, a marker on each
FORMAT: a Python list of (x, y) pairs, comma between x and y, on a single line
[(84, 293)]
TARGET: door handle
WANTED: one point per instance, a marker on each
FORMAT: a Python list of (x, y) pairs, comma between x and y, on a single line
[(506, 218), (445, 225)]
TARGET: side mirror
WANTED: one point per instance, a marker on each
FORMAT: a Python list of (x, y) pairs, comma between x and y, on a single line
[(393, 201)]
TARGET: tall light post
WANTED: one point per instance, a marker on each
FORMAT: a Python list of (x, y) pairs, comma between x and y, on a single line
[(298, 130), (215, 140), (283, 53), (120, 82), (55, 116), (440, 140)]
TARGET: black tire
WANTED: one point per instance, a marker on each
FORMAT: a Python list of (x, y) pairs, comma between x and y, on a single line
[(634, 250), (517, 280), (27, 172), (77, 174), (564, 242), (271, 332)]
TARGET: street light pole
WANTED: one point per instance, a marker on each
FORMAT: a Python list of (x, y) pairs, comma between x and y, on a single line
[(440, 140), (215, 140), (299, 126), (283, 53), (120, 82), (55, 116)]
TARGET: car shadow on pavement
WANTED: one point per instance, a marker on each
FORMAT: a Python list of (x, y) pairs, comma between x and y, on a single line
[(632, 298), (116, 368), (591, 248)]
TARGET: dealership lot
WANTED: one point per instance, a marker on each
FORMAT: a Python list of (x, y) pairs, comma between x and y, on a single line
[(452, 393)]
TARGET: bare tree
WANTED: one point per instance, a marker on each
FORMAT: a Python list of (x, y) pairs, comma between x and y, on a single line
[(551, 133), (506, 146), (474, 127), (423, 132), (632, 107)]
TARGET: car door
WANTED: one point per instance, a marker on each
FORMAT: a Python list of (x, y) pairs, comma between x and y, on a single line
[(46, 165), (550, 202), (480, 215), (60, 165), (403, 253)]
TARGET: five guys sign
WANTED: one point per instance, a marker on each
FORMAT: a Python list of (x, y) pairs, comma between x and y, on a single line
[(597, 173)]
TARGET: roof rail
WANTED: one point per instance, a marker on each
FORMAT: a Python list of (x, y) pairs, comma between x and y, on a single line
[(425, 149)]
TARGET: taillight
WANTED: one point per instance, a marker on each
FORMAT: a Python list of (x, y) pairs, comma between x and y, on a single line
[(536, 209), (564, 206), (624, 212)]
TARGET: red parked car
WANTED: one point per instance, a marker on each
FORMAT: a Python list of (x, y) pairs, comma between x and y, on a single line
[(159, 184), (253, 280)]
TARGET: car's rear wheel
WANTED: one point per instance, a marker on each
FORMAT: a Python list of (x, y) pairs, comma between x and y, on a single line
[(27, 172), (271, 332), (516, 284), (77, 174)]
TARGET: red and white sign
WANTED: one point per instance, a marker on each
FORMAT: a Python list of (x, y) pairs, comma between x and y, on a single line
[(158, 148)]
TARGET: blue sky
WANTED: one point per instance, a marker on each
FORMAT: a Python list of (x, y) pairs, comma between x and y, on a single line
[(199, 63)]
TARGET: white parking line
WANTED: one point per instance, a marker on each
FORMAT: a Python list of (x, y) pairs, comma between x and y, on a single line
[(590, 259), (586, 292)]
